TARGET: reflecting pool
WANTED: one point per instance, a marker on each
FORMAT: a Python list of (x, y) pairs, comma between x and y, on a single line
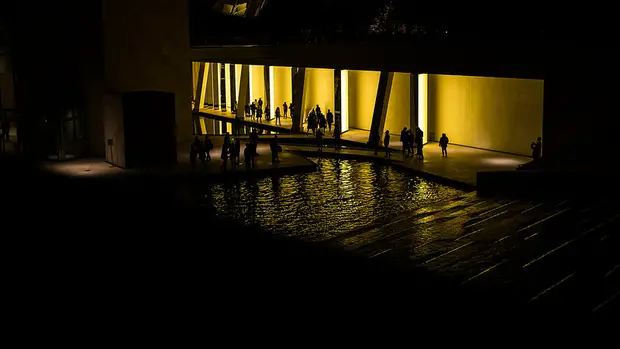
[(344, 195)]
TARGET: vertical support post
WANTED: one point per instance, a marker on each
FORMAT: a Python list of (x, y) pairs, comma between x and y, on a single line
[(222, 85), (381, 106), (413, 99), (201, 87), (215, 74), (299, 80), (233, 88), (268, 92), (244, 91), (337, 98)]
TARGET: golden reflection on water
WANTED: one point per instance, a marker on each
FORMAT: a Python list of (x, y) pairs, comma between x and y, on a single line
[(344, 195)]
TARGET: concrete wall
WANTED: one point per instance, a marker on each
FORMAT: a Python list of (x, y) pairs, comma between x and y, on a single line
[(257, 83), (146, 46), (318, 89), (399, 106), (501, 114), (113, 129), (363, 87), (282, 88)]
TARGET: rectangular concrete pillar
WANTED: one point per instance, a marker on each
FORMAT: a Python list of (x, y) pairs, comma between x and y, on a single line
[(201, 87), (381, 105), (222, 79), (337, 98), (215, 81), (299, 80), (244, 90), (267, 71)]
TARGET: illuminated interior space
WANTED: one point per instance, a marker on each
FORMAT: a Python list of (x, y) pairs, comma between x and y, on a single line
[(318, 89), (257, 83), (281, 87), (363, 87), (399, 105), (499, 114)]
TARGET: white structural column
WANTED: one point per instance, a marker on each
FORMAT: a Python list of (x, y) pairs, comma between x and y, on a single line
[(272, 98), (344, 99), (227, 78), (423, 104)]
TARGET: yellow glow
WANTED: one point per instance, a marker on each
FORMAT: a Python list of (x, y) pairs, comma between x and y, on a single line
[(318, 89), (205, 82), (227, 91), (399, 106), (257, 83), (272, 86), (203, 126), (237, 84), (281, 88), (502, 114), (363, 87), (423, 105), (218, 85), (344, 96)]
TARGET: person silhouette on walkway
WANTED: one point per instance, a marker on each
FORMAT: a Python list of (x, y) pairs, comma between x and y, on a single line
[(278, 121), (253, 110), (319, 140), (410, 142), (194, 149), (235, 149), (322, 122), (443, 143), (285, 109), (208, 146), (419, 140), (267, 113), (247, 111), (275, 149), (260, 103), (536, 149), (404, 140), (225, 151), (330, 119), (386, 144)]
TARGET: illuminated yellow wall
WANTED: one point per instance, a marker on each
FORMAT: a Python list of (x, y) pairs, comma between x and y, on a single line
[(257, 83), (195, 73), (491, 113), (237, 84), (318, 89), (282, 90), (399, 106), (363, 87)]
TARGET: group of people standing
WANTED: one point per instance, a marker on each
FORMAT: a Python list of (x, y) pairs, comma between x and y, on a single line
[(409, 138), (255, 111), (231, 150), (317, 121)]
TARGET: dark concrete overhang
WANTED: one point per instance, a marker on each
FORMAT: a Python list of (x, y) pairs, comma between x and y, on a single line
[(517, 61)]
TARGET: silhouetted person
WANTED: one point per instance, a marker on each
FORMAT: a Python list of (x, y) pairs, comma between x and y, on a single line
[(267, 113), (259, 114), (404, 140), (225, 151), (285, 109), (410, 142), (235, 149), (247, 111), (208, 147), (311, 122), (248, 155), (275, 149), (317, 109), (253, 110), (322, 123), (443, 143), (319, 140), (278, 121), (536, 149), (194, 150), (260, 103), (330, 119), (419, 140), (386, 144)]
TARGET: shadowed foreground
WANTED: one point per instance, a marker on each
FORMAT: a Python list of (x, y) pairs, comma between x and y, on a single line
[(114, 250)]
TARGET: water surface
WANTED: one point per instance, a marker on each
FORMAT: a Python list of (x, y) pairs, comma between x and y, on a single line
[(343, 196)]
